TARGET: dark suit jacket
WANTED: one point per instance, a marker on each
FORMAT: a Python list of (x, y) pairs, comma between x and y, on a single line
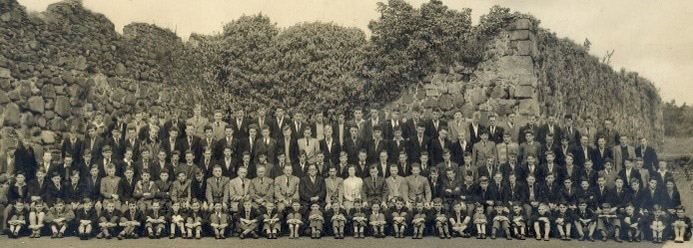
[(394, 149), (308, 189), (331, 154), (416, 147), (475, 137), (599, 158), (497, 135), (649, 156), (242, 130), (435, 149), (544, 131), (373, 150), (431, 130), (457, 150), (268, 149), (352, 148), (377, 190)]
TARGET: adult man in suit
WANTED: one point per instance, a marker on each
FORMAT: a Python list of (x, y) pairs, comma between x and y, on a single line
[(173, 122), (435, 124), (262, 187), (495, 133), (312, 189), (483, 149), (457, 125), (310, 145), (648, 155), (622, 152), (219, 125), (583, 152), (448, 163), (237, 190), (374, 186), (418, 187), (475, 129), (329, 147), (286, 189), (505, 148), (318, 126)]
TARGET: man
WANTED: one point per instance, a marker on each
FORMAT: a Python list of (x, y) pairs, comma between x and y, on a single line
[(459, 147), (209, 141), (227, 141), (298, 126), (448, 163), (495, 133), (174, 122), (191, 142), (483, 149), (249, 142), (237, 190), (550, 167), (648, 155), (583, 152), (374, 187), (529, 147), (310, 145), (622, 152), (563, 150), (286, 189), (206, 164), (511, 127), (318, 126), (418, 187), (301, 167), (262, 187), (311, 189), (334, 188), (93, 141)]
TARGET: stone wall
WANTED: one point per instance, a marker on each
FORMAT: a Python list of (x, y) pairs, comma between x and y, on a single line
[(504, 82)]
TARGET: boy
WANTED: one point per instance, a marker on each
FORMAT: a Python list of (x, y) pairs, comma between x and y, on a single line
[(399, 214), (108, 220), (608, 221), (248, 219), (271, 221), (681, 225), (163, 187), (358, 218), (59, 216), (564, 220), (584, 221), (519, 223), (337, 216), (657, 223), (194, 220), (219, 221), (36, 218), (181, 190), (632, 220), (459, 220), (86, 217), (500, 220), (130, 221), (294, 220), (17, 219), (176, 218), (419, 220), (441, 219), (155, 220), (542, 221), (316, 221), (480, 221), (145, 191)]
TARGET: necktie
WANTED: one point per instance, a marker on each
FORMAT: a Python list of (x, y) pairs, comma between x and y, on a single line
[(243, 186), (287, 182)]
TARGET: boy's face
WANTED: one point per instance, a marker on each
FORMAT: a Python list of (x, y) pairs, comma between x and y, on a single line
[(110, 207), (584, 184), (457, 207), (145, 177), (296, 206), (531, 180), (155, 206), (163, 176), (269, 207), (582, 206), (87, 206), (653, 184), (19, 206), (517, 209), (56, 179), (181, 177), (175, 206), (601, 181), (563, 208), (680, 213), (247, 205), (40, 174), (132, 206), (630, 210), (129, 173), (437, 205), (196, 206), (59, 206), (479, 210), (393, 170), (450, 174), (314, 207), (217, 207)]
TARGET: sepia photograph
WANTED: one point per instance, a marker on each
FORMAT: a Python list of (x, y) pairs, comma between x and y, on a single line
[(360, 123)]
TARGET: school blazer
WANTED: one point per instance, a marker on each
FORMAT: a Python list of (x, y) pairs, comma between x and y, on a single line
[(236, 187), (311, 146), (375, 190), (418, 187)]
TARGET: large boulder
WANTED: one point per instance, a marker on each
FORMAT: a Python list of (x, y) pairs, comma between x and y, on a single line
[(5, 73), (36, 104), (47, 137), (12, 115), (62, 106), (4, 98)]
